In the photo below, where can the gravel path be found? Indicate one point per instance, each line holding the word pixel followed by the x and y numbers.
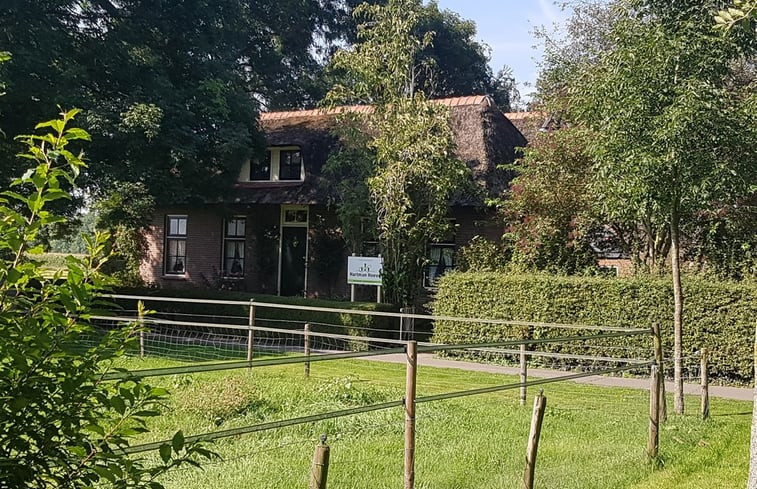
pixel 430 360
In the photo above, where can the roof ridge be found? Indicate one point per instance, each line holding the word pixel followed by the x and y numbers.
pixel 448 101
pixel 523 114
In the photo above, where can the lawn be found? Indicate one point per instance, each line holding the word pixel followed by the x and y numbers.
pixel 592 437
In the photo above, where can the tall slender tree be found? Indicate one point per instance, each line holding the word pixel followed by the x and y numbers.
pixel 670 137
pixel 407 141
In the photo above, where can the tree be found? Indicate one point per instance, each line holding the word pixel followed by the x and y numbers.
pixel 742 13
pixel 669 137
pixel 411 171
pixel 455 64
pixel 550 208
pixel 504 90
pixel 583 38
pixel 169 90
pixel 460 64
pixel 61 424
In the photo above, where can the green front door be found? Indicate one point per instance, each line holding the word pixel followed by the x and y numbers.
pixel 293 255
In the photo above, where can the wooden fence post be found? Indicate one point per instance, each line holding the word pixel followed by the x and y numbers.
pixel 654 413
pixel 352 288
pixel 658 357
pixel 540 405
pixel 307 349
pixel 410 382
pixel 141 326
pixel 705 374
pixel 320 469
pixel 250 333
pixel 407 324
pixel 523 375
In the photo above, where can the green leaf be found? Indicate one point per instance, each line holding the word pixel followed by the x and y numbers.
pixel 118 404
pixel 94 428
pixel 165 452
pixel 13 276
pixel 77 133
pixel 158 392
pixel 104 473
pixel 178 441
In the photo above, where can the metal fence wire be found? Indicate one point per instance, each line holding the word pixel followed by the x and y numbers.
pixel 201 342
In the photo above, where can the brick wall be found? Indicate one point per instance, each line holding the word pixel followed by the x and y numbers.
pixel 623 266
pixel 204 249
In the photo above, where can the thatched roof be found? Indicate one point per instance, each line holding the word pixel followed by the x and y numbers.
pixel 531 123
pixel 484 137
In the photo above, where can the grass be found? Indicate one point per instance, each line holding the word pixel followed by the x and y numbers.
pixel 53 262
pixel 592 437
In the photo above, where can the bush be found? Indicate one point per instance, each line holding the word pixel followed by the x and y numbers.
pixel 61 425
pixel 719 316
pixel 482 255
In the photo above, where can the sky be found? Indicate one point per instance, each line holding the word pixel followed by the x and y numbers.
pixel 506 26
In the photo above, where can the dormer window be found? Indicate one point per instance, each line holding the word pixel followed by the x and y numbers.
pixel 280 163
pixel 260 168
pixel 290 164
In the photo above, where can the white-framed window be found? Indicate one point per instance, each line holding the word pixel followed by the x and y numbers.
pixel 234 247
pixel 279 164
pixel 290 164
pixel 294 215
pixel 441 257
pixel 175 250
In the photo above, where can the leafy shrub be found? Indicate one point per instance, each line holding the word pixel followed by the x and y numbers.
pixel 719 316
pixel 482 255
pixel 60 424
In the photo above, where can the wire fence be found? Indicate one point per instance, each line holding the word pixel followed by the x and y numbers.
pixel 201 342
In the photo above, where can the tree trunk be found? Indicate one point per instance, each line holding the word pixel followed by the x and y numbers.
pixel 677 312
pixel 752 483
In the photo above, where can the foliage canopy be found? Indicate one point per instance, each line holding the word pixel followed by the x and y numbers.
pixel 404 143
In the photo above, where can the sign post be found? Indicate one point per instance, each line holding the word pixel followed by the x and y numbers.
pixel 364 270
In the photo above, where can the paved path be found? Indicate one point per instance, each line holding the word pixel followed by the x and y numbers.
pixel 430 360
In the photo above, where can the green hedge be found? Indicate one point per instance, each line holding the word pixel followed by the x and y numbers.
pixel 325 322
pixel 719 316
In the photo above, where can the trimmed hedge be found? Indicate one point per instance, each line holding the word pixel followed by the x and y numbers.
pixel 325 322
pixel 719 316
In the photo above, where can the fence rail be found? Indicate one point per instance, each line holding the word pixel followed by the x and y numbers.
pixel 266 362
pixel 242 327
pixel 374 347
pixel 397 315
pixel 432 347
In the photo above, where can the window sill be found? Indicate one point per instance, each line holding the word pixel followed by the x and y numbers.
pixel 166 276
pixel 269 184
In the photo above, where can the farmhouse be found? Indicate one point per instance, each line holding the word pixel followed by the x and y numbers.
pixel 274 231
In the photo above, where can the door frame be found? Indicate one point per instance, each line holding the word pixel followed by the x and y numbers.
pixel 282 224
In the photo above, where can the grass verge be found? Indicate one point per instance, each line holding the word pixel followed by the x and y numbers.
pixel 592 437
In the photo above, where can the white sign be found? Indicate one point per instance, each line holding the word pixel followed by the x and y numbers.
pixel 364 270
